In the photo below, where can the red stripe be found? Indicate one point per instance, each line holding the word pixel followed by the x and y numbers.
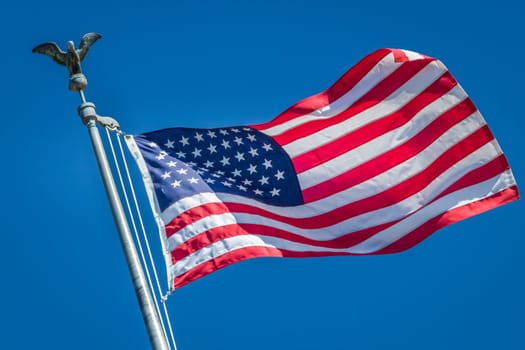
pixel 400 56
pixel 216 234
pixel 375 96
pixel 338 89
pixel 483 173
pixel 223 261
pixel 393 156
pixel 190 216
pixel 454 215
pixel 408 241
pixel 376 128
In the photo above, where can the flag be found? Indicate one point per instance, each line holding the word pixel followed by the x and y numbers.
pixel 390 153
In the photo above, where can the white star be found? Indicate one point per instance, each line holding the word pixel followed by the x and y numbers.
pixel 182 171
pixel 215 175
pixel 175 184
pixel 210 181
pixel 172 164
pixel 267 163
pixel 275 192
pixel 181 154
pixel 226 183
pixel 166 175
pixel 208 164
pixel 253 152
pixel 242 188
pixel 238 140
pixel 247 182
pixel 224 132
pixel 250 137
pixel 258 192
pixel 220 172
pixel 169 144
pixel 235 130
pixel 225 144
pixel 264 180
pixel 193 180
pixel 246 129
pixel 236 172
pixel 152 144
pixel 231 179
pixel 184 141
pixel 198 137
pixel 252 169
pixel 161 155
pixel 239 156
pixel 279 175
pixel 212 148
pixel 191 164
pixel 211 134
pixel 196 153
pixel 200 171
pixel 267 147
pixel 225 161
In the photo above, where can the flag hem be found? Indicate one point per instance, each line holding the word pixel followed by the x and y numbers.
pixel 150 190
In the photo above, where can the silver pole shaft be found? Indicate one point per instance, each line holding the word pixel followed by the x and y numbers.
pixel 147 307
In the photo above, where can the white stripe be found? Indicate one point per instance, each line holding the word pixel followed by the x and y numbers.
pixel 186 203
pixel 383 143
pixel 412 56
pixel 215 250
pixel 373 244
pixel 397 231
pixel 207 223
pixel 413 87
pixel 366 189
pixel 451 201
pixel 407 169
pixel 377 217
pixel 380 71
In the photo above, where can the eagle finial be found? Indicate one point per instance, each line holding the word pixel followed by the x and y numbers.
pixel 71 58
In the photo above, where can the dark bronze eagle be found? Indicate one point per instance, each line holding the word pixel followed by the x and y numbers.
pixel 72 58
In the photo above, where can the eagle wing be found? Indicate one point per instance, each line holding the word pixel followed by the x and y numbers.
pixel 52 50
pixel 86 42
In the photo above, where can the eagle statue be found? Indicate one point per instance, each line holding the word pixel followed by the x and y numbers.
pixel 72 58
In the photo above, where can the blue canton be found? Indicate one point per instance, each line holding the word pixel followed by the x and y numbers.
pixel 237 160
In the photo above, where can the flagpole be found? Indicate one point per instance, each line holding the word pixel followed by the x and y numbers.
pixel 87 112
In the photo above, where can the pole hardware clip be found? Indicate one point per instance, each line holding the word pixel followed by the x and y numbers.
pixel 87 113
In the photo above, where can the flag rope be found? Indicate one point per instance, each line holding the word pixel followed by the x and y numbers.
pixel 147 266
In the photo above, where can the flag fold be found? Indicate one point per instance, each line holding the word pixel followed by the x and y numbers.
pixel 390 153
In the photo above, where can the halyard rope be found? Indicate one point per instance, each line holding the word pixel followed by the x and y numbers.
pixel 144 236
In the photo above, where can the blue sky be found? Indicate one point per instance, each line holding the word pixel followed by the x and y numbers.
pixel 221 63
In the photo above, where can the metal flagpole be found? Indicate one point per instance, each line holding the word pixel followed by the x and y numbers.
pixel 78 82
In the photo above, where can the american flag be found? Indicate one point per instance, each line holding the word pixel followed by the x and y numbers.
pixel 392 152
